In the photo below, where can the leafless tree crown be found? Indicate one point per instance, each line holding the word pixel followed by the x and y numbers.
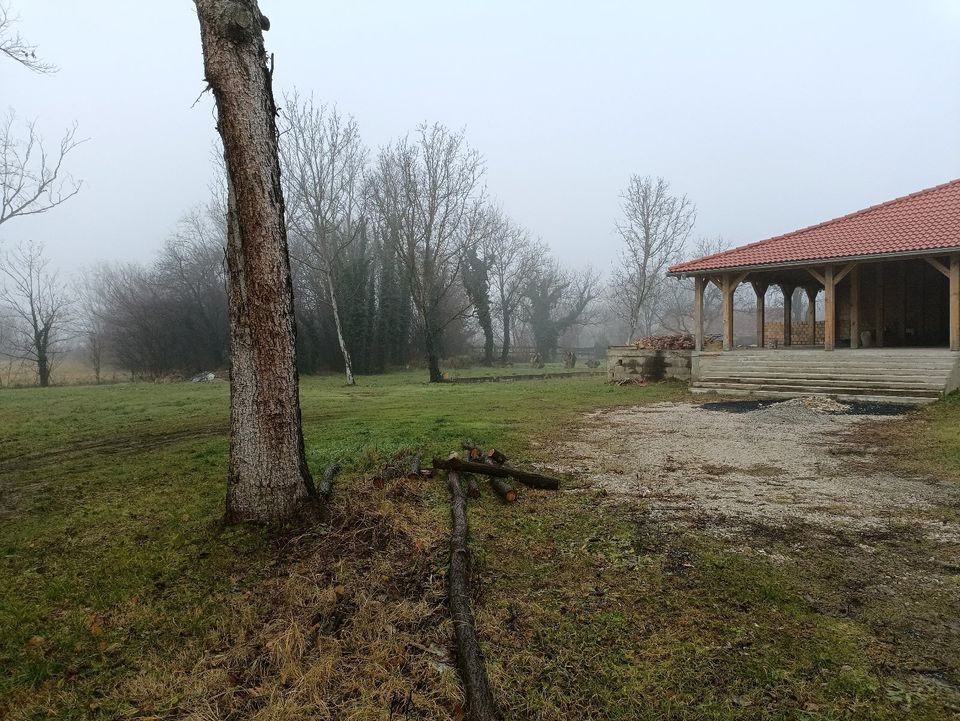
pixel 654 228
pixel 32 178
pixel 15 47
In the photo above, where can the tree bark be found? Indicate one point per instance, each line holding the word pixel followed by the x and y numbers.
pixel 473 672
pixel 534 480
pixel 431 339
pixel 505 352
pixel 268 477
pixel 347 362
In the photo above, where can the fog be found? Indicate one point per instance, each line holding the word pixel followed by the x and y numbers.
pixel 768 117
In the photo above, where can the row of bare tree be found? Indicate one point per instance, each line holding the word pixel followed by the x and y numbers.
pixel 394 259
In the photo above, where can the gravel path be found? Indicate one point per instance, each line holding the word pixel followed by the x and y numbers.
pixel 772 465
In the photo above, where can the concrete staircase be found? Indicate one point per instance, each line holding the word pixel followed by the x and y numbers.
pixel 895 375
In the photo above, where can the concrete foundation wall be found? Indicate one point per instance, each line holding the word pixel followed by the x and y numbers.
pixel 627 361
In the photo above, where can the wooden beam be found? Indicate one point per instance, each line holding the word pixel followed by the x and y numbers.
pixel 699 285
pixel 761 290
pixel 739 279
pixel 816 274
pixel 955 302
pixel 787 291
pixel 855 308
pixel 728 289
pixel 939 266
pixel 812 312
pixel 830 312
pixel 878 304
pixel 847 269
pixel 716 281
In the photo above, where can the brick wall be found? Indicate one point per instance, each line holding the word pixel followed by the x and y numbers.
pixel 773 333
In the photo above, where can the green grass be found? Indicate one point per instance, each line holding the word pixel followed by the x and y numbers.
pixel 114 562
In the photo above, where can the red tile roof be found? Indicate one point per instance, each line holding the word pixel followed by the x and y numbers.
pixel 926 220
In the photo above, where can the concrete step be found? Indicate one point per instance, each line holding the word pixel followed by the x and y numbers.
pixel 775 395
pixel 841 382
pixel 819 367
pixel 903 376
pixel 802 390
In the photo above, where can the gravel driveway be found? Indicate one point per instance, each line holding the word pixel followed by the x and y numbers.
pixel 729 466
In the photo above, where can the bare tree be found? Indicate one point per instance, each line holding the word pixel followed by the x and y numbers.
pixel 323 162
pixel 38 305
pixel 32 179
pixel 191 273
pixel 268 477
pixel 513 259
pixel 13 45
pixel 674 305
pixel 654 228
pixel 427 189
pixel 556 301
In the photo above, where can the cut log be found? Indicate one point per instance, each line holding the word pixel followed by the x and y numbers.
pixel 415 467
pixel 534 480
pixel 473 672
pixel 507 492
pixel 473 488
pixel 327 483
pixel 496 456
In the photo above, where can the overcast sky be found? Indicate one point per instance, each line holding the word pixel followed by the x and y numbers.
pixel 769 116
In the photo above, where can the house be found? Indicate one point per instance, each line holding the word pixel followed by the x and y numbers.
pixel 890 279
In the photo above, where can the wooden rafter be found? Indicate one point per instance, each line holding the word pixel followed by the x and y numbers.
pixel 816 274
pixel 939 266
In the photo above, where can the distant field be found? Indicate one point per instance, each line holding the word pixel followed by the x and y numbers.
pixel 122 595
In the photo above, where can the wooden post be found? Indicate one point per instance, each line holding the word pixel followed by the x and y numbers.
pixel 830 311
pixel 878 302
pixel 699 285
pixel 855 308
pixel 955 302
pixel 728 311
pixel 812 312
pixel 787 291
pixel 760 289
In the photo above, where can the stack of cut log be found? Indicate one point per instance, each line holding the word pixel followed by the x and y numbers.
pixel 492 464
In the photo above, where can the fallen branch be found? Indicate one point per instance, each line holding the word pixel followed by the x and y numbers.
pixel 327 483
pixel 534 480
pixel 473 672
pixel 496 456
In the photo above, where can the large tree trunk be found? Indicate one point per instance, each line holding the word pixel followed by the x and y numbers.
pixel 268 476
pixel 347 362
pixel 505 352
pixel 431 341
pixel 43 369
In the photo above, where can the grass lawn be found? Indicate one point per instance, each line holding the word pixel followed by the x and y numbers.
pixel 122 595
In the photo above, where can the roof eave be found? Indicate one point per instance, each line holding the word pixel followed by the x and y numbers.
pixel 813 263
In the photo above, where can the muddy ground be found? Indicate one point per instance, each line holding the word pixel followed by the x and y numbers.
pixel 808 486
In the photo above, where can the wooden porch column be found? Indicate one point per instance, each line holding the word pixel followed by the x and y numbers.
pixel 760 289
pixel 830 311
pixel 812 292
pixel 955 302
pixel 699 286
pixel 855 308
pixel 878 294
pixel 787 291
pixel 727 289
